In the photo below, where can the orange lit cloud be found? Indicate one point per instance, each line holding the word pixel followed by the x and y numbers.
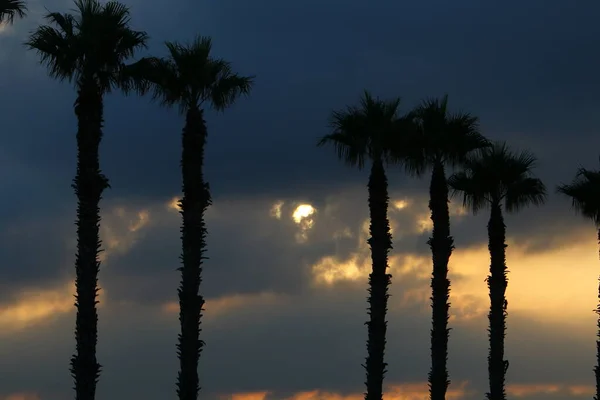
pixel 223 305
pixel 248 396
pixel 34 305
pixel 21 396
pixel 526 390
pixel 572 267
pixel 404 391
pixel 120 230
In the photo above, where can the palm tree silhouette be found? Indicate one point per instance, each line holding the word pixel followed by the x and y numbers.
pixel 360 134
pixel 494 178
pixel 584 192
pixel 442 139
pixel 9 9
pixel 90 48
pixel 190 78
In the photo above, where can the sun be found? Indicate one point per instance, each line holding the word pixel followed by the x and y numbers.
pixel 302 211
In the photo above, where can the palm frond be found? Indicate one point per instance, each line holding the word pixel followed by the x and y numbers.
pixel 406 146
pixel 525 192
pixel 496 174
pixel 227 86
pixel 364 131
pixel 9 9
pixel 467 184
pixel 189 76
pixel 95 41
pixel 57 49
pixel 447 138
pixel 349 136
pixel 584 192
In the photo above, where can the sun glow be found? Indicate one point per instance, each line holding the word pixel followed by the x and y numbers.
pixel 303 216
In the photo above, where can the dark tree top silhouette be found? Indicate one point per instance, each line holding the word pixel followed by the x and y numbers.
pixel 9 9
pixel 584 192
pixel 365 131
pixel 439 137
pixel 93 43
pixel 496 175
pixel 190 76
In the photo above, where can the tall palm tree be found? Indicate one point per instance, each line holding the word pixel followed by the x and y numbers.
pixel 441 139
pixel 89 48
pixel 495 178
pixel 361 134
pixel 9 9
pixel 584 192
pixel 191 79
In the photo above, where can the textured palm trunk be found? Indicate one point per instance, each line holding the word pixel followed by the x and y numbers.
pixel 89 183
pixel 379 280
pixel 195 201
pixel 597 367
pixel 497 282
pixel 441 244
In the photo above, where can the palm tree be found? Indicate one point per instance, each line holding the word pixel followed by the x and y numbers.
pixel 9 9
pixel 190 78
pixel 89 48
pixel 498 177
pixel 584 192
pixel 360 134
pixel 442 139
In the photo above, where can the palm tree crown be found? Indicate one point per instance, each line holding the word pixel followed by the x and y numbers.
pixel 442 138
pixel 498 176
pixel 190 76
pixel 585 193
pixel 9 9
pixel 364 132
pixel 92 44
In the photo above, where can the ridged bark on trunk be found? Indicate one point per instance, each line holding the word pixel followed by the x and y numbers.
pixel 497 282
pixel 597 367
pixel 379 280
pixel 89 183
pixel 441 244
pixel 195 201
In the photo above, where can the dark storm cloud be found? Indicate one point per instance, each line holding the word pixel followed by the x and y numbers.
pixel 526 70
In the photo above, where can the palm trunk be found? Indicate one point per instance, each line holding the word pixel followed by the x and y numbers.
pixel 497 282
pixel 379 280
pixel 441 244
pixel 195 201
pixel 597 367
pixel 89 183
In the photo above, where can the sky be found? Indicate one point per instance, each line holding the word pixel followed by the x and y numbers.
pixel 287 276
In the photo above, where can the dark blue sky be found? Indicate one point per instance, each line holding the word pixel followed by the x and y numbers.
pixel 530 72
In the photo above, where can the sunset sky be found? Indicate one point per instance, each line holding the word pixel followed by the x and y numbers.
pixel 287 275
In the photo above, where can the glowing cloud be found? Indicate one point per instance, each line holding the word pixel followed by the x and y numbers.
pixel 34 306
pixel 275 211
pixel 173 204
pixel 121 229
pixel 223 305
pixel 401 204
pixel 22 396
pixel 303 216
pixel 246 396
pixel 405 391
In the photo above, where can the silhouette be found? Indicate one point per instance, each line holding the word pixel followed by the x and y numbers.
pixel 190 78
pixel 9 9
pixel 361 133
pixel 493 178
pixel 584 192
pixel 89 48
pixel 441 139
